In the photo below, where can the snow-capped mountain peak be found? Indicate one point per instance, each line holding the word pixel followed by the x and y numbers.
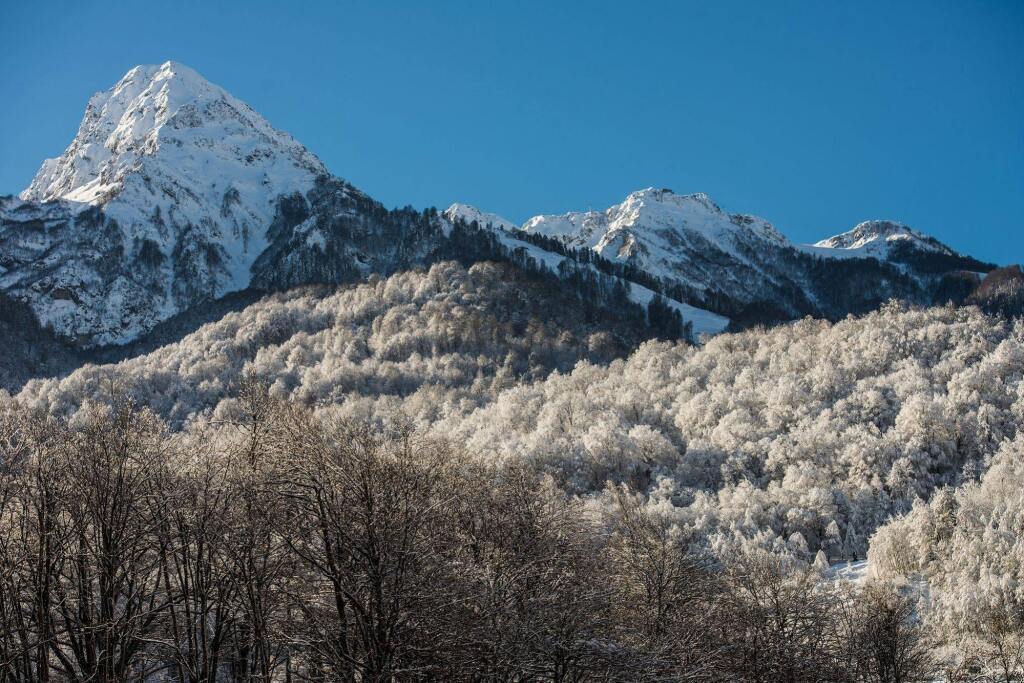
pixel 875 237
pixel 155 111
pixel 188 180
pixel 650 212
pixel 667 234
pixel 471 213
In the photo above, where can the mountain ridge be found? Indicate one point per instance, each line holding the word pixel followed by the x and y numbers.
pixel 733 263
pixel 873 238
pixel 174 193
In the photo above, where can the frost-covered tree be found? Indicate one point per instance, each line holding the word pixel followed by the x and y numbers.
pixel 966 544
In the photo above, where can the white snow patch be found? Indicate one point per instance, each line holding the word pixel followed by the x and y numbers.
pixel 856 571
pixel 872 239
pixel 483 219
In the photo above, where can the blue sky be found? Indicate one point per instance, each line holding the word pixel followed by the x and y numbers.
pixel 813 115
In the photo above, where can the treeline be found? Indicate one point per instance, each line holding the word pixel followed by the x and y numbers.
pixel 603 287
pixel 450 336
pixel 31 349
pixel 840 286
pixel 1001 292
pixel 667 289
pixel 626 271
pixel 279 545
pixel 936 262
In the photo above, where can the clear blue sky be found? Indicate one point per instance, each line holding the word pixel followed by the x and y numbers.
pixel 813 115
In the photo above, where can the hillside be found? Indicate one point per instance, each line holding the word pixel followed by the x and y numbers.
pixel 814 431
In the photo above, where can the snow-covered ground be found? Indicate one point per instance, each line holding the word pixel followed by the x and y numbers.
pixel 854 572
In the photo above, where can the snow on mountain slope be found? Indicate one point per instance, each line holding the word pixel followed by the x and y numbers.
pixel 186 179
pixel 685 240
pixel 471 213
pixel 741 266
pixel 645 215
pixel 704 322
pixel 169 115
pixel 876 239
pixel 661 232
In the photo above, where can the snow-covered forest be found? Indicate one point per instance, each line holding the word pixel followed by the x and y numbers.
pixel 276 543
pixel 443 472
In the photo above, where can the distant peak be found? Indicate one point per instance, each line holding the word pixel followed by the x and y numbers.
pixel 878 234
pixel 868 231
pixel 469 213
pixel 170 67
pixel 665 195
